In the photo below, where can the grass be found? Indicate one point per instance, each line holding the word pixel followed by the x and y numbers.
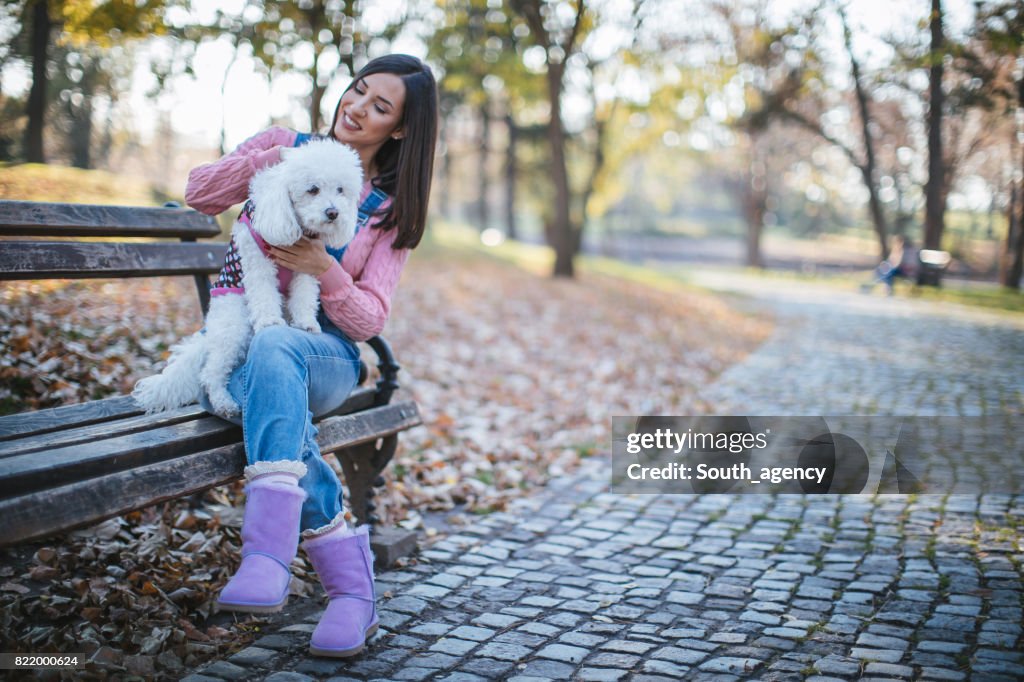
pixel 41 182
pixel 975 294
pixel 995 297
pixel 540 260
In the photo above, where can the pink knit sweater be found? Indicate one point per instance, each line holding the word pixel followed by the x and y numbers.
pixel 355 294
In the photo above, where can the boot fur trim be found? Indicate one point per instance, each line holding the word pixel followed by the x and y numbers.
pixel 335 529
pixel 286 466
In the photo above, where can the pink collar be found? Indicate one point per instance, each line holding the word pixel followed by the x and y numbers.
pixel 260 242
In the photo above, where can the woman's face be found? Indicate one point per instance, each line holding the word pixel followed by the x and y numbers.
pixel 370 111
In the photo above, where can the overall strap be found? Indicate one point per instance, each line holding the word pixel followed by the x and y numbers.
pixel 370 204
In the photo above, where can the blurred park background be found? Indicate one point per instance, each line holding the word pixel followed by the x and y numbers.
pixel 799 135
pixel 649 153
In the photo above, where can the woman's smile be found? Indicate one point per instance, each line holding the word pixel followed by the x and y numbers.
pixel 349 123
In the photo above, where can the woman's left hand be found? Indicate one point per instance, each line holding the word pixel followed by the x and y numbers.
pixel 306 255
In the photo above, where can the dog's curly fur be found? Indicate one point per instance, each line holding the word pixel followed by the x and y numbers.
pixel 313 192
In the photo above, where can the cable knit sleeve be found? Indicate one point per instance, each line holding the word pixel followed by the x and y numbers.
pixel 360 305
pixel 215 187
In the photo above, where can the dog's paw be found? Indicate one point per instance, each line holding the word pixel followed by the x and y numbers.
pixel 264 323
pixel 313 327
pixel 224 406
pixel 229 412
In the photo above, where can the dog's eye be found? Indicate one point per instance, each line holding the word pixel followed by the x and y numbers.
pixel 341 190
pixel 314 190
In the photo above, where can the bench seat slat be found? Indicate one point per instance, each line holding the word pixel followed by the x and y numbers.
pixel 85 260
pixel 38 513
pixel 134 422
pixel 31 219
pixel 79 461
pixel 347 430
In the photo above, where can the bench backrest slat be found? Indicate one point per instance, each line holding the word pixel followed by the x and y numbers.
pixel 67 416
pixel 90 260
pixel 20 473
pixel 32 219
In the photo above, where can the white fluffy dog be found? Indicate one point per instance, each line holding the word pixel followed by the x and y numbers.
pixel 313 192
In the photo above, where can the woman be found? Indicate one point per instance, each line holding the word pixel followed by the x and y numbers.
pixel 902 262
pixel 388 115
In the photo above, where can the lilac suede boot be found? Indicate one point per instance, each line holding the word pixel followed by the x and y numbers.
pixel 270 538
pixel 342 558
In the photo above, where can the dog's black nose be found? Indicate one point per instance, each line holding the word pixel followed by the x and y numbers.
pixel 332 213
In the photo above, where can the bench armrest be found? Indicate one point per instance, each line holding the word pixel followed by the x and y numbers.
pixel 388 382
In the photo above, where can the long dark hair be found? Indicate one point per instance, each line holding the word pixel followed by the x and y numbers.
pixel 406 165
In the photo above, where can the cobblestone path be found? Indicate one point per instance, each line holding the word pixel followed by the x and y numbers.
pixel 579 583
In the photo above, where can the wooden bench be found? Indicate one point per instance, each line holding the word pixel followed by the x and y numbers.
pixel 75 465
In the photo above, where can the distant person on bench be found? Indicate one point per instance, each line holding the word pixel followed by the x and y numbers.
pixel 902 262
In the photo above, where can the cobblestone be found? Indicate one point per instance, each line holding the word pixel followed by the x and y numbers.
pixel 254 656
pixel 576 582
pixel 225 671
pixel 473 633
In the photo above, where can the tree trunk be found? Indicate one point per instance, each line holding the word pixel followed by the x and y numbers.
pixel 877 213
pixel 755 197
pixel 483 215
pixel 223 99
pixel 315 121
pixel 869 170
pixel 510 178
pixel 935 190
pixel 601 134
pixel 36 109
pixel 1013 247
pixel 1017 264
pixel 316 24
pixel 106 142
pixel 1012 262
pixel 445 193
pixel 1017 255
pixel 754 209
pixel 561 228
pixel 347 38
pixel 81 120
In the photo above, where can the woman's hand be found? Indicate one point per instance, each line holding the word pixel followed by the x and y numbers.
pixel 284 152
pixel 306 255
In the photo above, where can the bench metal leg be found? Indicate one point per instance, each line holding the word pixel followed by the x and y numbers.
pixel 362 466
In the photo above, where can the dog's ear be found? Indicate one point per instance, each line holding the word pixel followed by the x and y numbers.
pixel 274 218
pixel 351 169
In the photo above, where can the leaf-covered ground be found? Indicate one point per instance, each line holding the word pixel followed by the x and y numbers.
pixel 517 377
